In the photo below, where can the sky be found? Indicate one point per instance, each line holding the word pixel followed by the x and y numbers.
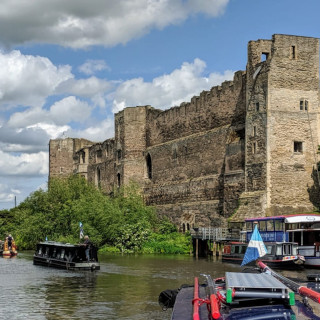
pixel 67 66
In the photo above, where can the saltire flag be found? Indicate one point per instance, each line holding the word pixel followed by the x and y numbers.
pixel 81 230
pixel 256 248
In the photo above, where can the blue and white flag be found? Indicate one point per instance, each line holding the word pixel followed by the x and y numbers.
pixel 81 230
pixel 256 248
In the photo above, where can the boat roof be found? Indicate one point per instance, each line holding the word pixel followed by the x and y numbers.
pixel 292 218
pixel 58 244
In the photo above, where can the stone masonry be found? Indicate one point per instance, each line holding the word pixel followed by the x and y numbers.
pixel 245 148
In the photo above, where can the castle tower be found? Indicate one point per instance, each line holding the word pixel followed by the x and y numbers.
pixel 130 145
pixel 281 125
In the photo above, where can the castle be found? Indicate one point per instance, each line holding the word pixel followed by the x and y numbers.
pixel 245 148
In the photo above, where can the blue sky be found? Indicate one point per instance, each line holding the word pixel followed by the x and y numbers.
pixel 67 66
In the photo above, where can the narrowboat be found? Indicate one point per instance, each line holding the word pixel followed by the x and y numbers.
pixel 282 255
pixel 66 256
pixel 303 229
pixel 255 295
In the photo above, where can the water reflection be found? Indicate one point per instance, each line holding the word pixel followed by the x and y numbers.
pixel 126 287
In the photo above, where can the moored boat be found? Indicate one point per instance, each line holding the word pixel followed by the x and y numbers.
pixel 282 255
pixel 66 256
pixel 301 228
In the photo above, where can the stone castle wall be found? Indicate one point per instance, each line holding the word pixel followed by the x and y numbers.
pixel 244 148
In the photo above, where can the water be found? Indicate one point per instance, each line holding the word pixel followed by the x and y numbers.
pixel 127 287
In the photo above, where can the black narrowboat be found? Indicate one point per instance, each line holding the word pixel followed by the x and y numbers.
pixel 66 256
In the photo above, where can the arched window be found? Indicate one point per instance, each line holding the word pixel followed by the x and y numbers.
pixel 183 228
pixel 188 226
pixel 149 166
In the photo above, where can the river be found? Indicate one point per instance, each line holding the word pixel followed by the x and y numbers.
pixel 127 286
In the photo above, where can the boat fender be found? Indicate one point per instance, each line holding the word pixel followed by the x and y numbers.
pixel 93 267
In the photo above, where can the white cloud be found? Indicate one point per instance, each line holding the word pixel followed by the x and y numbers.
pixel 98 132
pixel 82 23
pixel 28 80
pixel 90 67
pixel 167 90
pixel 35 164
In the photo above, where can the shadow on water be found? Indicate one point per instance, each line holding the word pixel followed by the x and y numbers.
pixel 127 286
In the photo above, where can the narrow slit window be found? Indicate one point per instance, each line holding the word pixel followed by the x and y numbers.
pixel 257 106
pixel 293 52
pixel 254 148
pixel 301 104
pixel 254 131
pixel 306 104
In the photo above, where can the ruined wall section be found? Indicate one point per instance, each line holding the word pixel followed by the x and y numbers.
pixel 293 128
pixel 62 155
pixel 259 57
pixel 197 156
pixel 101 165
pixel 212 109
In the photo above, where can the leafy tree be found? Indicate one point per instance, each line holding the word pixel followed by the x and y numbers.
pixel 122 222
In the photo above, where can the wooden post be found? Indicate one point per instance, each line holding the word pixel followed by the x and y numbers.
pixel 197 247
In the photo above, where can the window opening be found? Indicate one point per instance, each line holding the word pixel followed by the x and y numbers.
pixel 149 166
pixel 188 226
pixel 119 179
pixel 257 106
pixel 293 52
pixel 98 178
pixel 254 148
pixel 254 131
pixel 183 228
pixel 119 154
pixel 264 56
pixel 297 146
pixel 301 104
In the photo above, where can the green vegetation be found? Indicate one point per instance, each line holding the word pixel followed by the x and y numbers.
pixel 115 224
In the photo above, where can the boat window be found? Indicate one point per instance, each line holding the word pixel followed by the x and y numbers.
pixel 294 249
pixel 269 249
pixel 235 249
pixel 287 249
pixel 249 226
pixel 243 249
pixel 47 251
pixel 62 254
pixel 262 225
pixel 293 226
pixel 279 251
pixel 40 250
pixel 270 225
pixel 278 225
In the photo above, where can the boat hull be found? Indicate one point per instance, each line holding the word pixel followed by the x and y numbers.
pixel 56 263
pixel 273 263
